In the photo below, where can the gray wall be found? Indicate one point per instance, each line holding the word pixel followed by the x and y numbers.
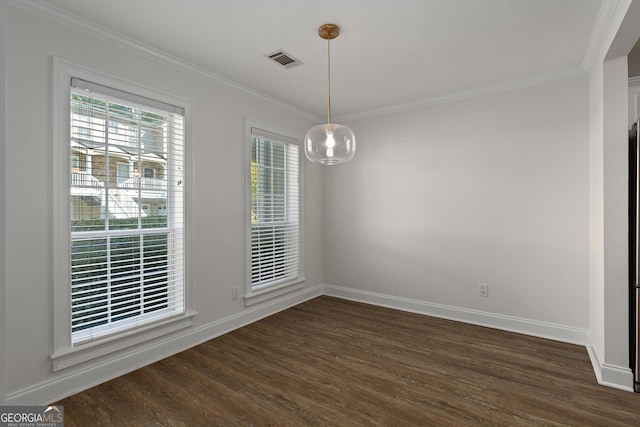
pixel 634 61
pixel 492 189
pixel 218 194
pixel 634 66
pixel 608 211
pixel 3 23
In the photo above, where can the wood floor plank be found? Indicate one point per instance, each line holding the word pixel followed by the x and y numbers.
pixel 333 362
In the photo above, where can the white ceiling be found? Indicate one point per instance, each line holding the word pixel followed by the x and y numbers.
pixel 389 53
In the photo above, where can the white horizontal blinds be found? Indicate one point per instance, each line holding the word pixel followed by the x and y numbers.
pixel 275 210
pixel 127 211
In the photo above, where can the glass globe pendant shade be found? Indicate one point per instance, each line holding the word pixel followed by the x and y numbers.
pixel 330 144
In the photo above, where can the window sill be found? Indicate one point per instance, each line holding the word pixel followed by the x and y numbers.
pixel 84 352
pixel 272 292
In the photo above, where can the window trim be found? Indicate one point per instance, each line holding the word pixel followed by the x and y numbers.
pixel 64 354
pixel 252 296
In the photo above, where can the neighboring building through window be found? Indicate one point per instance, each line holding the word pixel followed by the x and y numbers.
pixel 149 172
pixel 275 212
pixel 75 163
pixel 122 170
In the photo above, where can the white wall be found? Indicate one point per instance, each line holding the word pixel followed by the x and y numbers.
pixel 609 254
pixel 491 189
pixel 596 214
pixel 609 328
pixel 609 289
pixel 616 229
pixel 219 118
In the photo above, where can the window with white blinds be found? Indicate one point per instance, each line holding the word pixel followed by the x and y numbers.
pixel 275 210
pixel 127 225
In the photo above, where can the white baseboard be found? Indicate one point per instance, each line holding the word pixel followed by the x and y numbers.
pixel 595 354
pixel 65 385
pixel 475 317
pixel 608 375
pixel 619 377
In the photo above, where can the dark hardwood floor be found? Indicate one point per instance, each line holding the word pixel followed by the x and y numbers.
pixel 339 363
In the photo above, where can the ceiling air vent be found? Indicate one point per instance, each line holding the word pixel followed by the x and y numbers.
pixel 283 59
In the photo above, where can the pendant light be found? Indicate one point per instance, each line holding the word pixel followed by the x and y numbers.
pixel 329 144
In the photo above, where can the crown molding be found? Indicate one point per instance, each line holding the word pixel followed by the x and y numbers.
pixel 611 12
pixel 504 86
pixel 53 13
pixel 604 30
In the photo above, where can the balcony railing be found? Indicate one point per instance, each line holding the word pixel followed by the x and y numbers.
pixel 148 184
pixel 82 179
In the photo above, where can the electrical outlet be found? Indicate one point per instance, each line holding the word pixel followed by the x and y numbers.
pixel 483 290
pixel 235 293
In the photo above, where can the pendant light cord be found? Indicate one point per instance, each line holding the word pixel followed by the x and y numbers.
pixel 329 80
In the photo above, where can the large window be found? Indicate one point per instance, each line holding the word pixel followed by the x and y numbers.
pixel 275 211
pixel 126 261
pixel 121 264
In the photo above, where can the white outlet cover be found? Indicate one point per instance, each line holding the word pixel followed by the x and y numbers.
pixel 483 290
